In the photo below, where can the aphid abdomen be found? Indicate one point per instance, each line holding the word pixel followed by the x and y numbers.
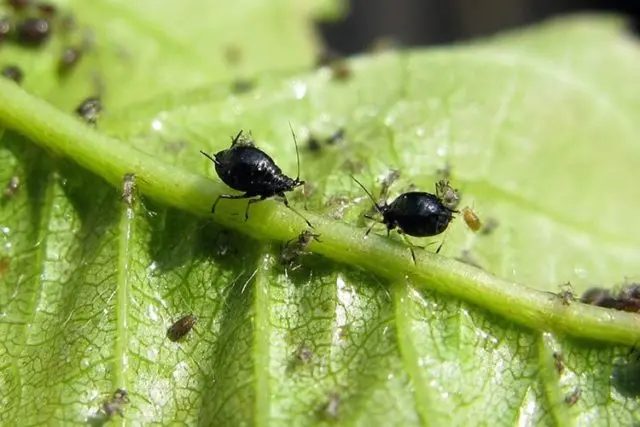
pixel 246 168
pixel 418 214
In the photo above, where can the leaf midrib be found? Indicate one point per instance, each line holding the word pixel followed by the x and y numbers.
pixel 177 187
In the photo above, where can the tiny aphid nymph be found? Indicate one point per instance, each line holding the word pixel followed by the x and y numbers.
pixel 181 327
pixel 90 109
pixel 295 247
pixel 244 167
pixel 12 187
pixel 471 219
pixel 115 404
pixel 449 196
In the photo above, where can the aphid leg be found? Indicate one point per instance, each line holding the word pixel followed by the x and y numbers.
pixel 228 196
pixel 286 203
pixel 411 246
pixel 252 201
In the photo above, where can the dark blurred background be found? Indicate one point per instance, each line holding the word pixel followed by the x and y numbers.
pixel 427 22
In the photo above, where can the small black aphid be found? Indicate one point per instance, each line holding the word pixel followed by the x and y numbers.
pixel 90 109
pixel 33 31
pixel 115 404
pixel 244 167
pixel 128 188
pixel 296 247
pixel 415 213
pixel 12 187
pixel 600 297
pixel 181 327
pixel 13 72
pixel 69 59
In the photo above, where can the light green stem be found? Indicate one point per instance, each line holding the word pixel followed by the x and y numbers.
pixel 111 159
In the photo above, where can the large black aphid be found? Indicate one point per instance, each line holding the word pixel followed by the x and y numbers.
pixel 416 213
pixel 244 167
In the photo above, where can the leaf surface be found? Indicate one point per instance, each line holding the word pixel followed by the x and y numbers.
pixel 538 133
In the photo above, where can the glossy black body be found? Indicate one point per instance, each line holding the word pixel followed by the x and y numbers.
pixel 33 31
pixel 246 168
pixel 416 213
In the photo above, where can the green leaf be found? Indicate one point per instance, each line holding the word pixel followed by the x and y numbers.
pixel 537 127
pixel 148 47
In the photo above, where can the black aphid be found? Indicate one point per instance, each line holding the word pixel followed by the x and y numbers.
pixel 12 187
pixel 416 213
pixel 90 109
pixel 244 167
pixel 181 327
pixel 296 247
pixel 69 59
pixel 33 31
pixel 115 404
pixel 13 72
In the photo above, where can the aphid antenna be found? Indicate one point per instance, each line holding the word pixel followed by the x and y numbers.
pixel 300 215
pixel 210 157
pixel 235 139
pixel 295 142
pixel 368 194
